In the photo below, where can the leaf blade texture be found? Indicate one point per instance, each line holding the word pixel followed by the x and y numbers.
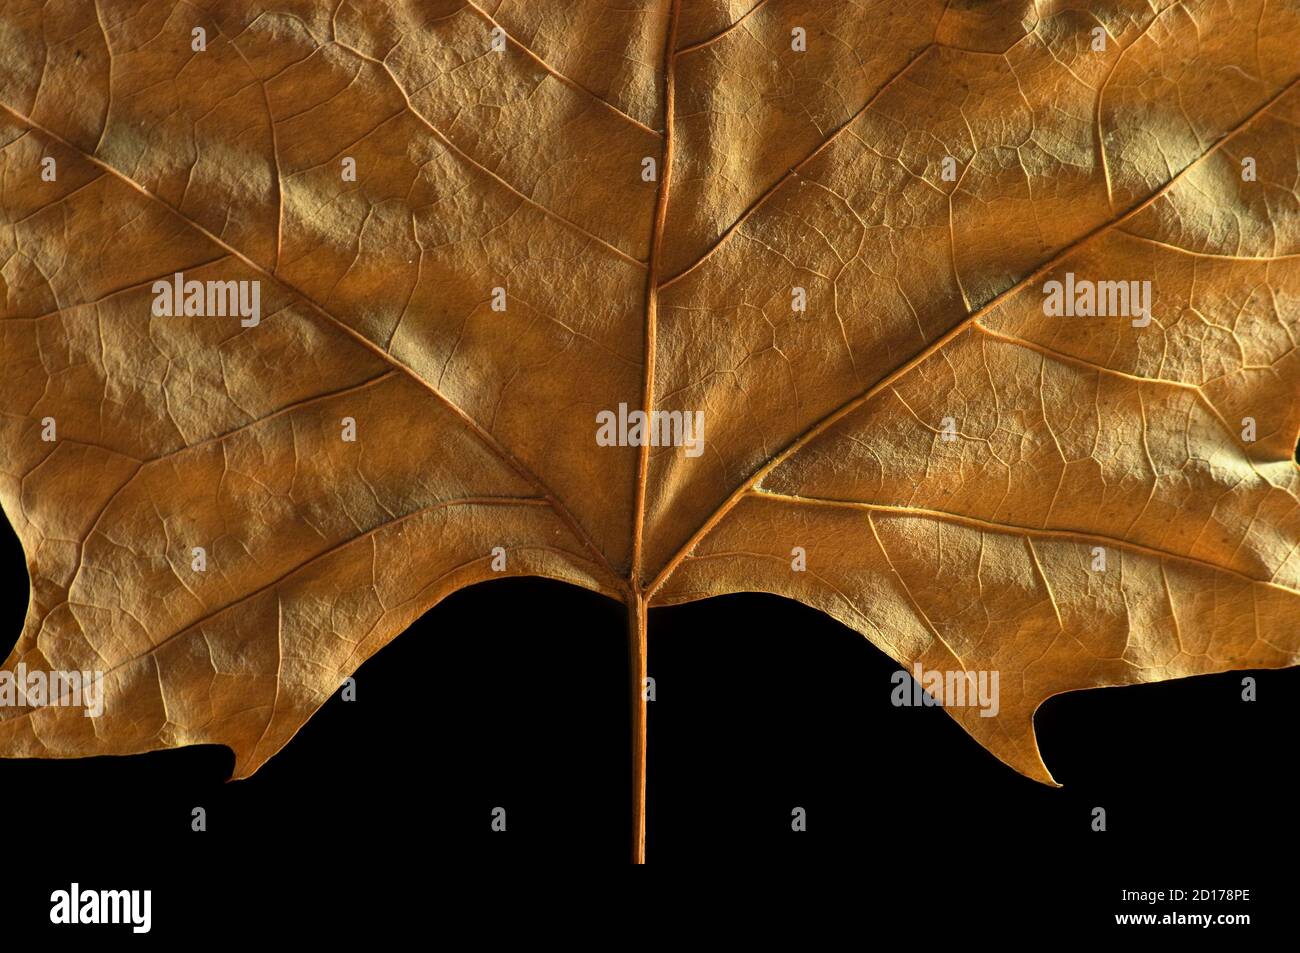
pixel 821 169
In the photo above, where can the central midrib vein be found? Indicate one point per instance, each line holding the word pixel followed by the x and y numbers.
pixel 652 293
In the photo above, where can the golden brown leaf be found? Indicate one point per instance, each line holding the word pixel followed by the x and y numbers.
pixel 949 456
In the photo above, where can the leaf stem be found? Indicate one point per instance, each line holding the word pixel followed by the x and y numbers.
pixel 636 631
pixel 636 600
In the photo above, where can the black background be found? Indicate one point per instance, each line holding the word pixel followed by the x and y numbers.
pixel 513 694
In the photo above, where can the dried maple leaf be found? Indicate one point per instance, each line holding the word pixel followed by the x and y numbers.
pixel 827 227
